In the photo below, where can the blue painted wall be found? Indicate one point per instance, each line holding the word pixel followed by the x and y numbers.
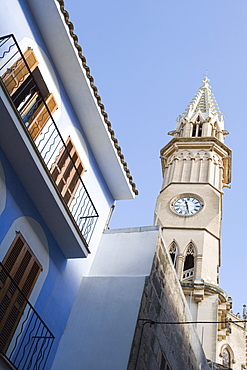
pixel 22 25
pixel 56 297
pixel 61 284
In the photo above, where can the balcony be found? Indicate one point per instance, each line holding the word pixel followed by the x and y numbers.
pixel 188 274
pixel 35 105
pixel 25 340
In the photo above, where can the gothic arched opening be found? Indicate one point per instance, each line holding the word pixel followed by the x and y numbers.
pixel 194 130
pixel 226 361
pixel 200 129
pixel 173 251
pixel 189 263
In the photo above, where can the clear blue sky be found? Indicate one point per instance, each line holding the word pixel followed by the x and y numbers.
pixel 148 58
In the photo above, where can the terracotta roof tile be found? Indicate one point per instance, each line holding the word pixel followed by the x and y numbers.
pixel 97 96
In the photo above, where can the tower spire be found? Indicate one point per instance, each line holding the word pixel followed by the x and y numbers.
pixel 202 117
pixel 203 102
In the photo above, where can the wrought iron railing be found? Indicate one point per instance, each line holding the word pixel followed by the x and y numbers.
pixel 25 340
pixel 17 72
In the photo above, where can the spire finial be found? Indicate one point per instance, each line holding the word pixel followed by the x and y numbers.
pixel 206 80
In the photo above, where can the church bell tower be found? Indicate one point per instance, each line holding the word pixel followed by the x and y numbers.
pixel 196 166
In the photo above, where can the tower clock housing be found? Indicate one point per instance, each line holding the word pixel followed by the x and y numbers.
pixel 196 166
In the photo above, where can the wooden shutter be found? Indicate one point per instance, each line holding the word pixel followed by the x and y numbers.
pixel 15 77
pixel 18 72
pixel 41 115
pixel 66 175
pixel 24 268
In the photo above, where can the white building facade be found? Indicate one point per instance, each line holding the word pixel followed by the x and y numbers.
pixel 196 166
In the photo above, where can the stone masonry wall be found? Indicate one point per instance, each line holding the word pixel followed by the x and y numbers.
pixel 165 346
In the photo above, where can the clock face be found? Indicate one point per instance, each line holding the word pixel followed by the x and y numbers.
pixel 187 206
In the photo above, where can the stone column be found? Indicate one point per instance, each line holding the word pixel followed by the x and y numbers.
pixel 179 266
pixel 198 266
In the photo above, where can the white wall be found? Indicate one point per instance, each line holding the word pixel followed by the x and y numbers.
pixel 101 326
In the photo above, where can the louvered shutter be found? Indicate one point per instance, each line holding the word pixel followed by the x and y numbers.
pixel 41 115
pixel 18 72
pixel 24 268
pixel 65 174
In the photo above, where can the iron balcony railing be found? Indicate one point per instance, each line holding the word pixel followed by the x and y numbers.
pixel 25 340
pixel 35 105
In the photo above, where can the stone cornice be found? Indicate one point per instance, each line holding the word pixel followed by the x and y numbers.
pixel 208 288
pixel 194 142
pixel 191 228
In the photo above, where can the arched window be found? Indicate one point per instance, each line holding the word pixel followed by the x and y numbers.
pixel 173 251
pixel 197 128
pixel 200 129
pixel 188 270
pixel 194 130
pixel 227 355
pixel 226 360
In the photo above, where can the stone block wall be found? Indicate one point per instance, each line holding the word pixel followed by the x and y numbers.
pixel 159 345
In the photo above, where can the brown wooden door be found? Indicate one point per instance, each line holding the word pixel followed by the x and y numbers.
pixel 24 268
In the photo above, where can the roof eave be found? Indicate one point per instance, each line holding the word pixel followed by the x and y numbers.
pixel 76 78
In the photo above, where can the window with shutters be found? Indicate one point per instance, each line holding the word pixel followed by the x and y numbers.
pixel 18 275
pixel 29 92
pixel 35 113
pixel 65 174
pixel 15 76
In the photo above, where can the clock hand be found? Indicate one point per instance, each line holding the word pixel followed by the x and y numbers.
pixel 187 207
